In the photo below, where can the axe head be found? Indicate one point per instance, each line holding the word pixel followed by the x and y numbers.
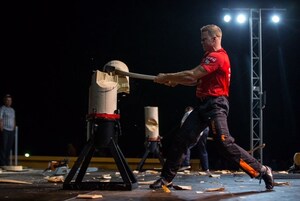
pixel 109 69
pixel 113 65
pixel 123 81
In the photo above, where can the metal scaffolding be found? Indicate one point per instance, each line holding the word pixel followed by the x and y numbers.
pixel 257 94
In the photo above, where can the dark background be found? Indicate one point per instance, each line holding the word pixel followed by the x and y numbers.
pixel 50 49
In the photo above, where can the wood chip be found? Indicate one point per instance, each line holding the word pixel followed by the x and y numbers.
pixel 56 179
pixel 177 187
pixel 283 172
pixel 214 175
pixel 151 172
pixel 89 196
pixel 146 182
pixel 215 189
pixel 223 171
pixel 281 183
pixel 15 168
pixel 14 181
pixel 105 176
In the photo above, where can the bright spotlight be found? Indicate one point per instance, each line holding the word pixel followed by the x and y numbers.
pixel 227 18
pixel 27 155
pixel 241 18
pixel 275 18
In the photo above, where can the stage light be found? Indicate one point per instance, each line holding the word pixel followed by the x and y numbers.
pixel 241 18
pixel 275 19
pixel 27 155
pixel 227 18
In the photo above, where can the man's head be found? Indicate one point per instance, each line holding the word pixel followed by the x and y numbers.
pixel 7 100
pixel 211 36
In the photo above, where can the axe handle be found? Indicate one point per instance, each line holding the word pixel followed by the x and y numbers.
pixel 135 75
pixel 256 148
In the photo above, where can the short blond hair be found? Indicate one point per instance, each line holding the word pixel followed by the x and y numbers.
pixel 213 30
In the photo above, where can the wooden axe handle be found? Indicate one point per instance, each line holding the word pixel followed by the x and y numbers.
pixel 256 148
pixel 135 75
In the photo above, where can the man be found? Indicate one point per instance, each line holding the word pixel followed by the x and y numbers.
pixel 212 80
pixel 7 130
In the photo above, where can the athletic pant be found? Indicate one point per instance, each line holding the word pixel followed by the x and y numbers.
pixel 212 112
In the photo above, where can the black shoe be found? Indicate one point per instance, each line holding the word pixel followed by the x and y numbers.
pixel 267 176
pixel 158 184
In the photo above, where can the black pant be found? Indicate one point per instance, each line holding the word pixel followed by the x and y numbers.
pixel 211 112
pixel 6 144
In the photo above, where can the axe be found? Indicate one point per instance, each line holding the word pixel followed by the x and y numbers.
pixel 256 148
pixel 111 69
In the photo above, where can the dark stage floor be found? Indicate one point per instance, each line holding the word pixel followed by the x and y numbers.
pixel 228 186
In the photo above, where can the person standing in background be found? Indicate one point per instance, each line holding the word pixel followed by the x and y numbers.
pixel 200 145
pixel 7 129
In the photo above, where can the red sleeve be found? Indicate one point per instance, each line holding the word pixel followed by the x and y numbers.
pixel 212 61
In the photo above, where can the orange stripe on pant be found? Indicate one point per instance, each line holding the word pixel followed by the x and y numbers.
pixel 248 169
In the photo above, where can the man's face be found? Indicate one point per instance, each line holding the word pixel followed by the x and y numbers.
pixel 7 102
pixel 207 41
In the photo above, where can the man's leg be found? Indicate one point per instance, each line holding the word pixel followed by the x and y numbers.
pixel 227 146
pixel 9 145
pixel 185 138
pixel 186 161
pixel 203 155
pixel 2 148
pixel 230 150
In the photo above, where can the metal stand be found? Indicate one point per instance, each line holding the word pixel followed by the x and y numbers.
pixel 152 147
pixel 107 140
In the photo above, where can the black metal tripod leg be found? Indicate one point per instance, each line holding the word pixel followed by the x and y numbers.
pixel 122 164
pixel 78 162
pixel 141 164
pixel 85 165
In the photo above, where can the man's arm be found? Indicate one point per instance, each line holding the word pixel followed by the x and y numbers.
pixel 1 120
pixel 1 125
pixel 187 77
